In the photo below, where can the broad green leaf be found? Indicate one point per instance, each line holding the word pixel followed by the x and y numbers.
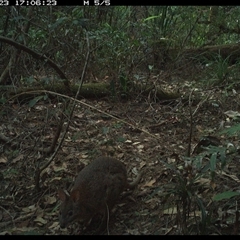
pixel 121 139
pixel 105 130
pixel 202 208
pixel 213 161
pixel 34 101
pixel 225 195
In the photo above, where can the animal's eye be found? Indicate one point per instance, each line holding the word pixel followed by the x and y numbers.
pixel 70 213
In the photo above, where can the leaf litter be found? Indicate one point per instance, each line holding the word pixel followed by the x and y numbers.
pixel 25 211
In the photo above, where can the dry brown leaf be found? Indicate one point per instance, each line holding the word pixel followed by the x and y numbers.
pixel 233 177
pixel 59 168
pixel 24 223
pixel 3 159
pixel 29 208
pixel 170 211
pixel 135 171
pixel 143 192
pixel 204 181
pixel 69 156
pixel 120 155
pixel 131 198
pixel 150 183
pixel 213 185
pixel 18 158
pixel 171 160
pixel 54 225
pixel 40 221
pixel 55 179
pixel 23 229
pixel 140 148
pixel 79 115
pixel 152 203
pixel 174 210
pixel 232 114
pixel 50 200
pixel 121 204
pixel 84 156
pixel 30 186
pixel 142 164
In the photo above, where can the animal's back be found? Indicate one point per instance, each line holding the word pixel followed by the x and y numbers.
pixel 96 190
pixel 101 182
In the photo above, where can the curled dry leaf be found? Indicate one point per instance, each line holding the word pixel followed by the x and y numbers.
pixel 55 179
pixel 59 168
pixel 152 203
pixel 40 221
pixel 21 230
pixel 54 225
pixel 50 200
pixel 29 208
pixel 120 155
pixel 136 143
pixel 233 177
pixel 232 114
pixel 142 164
pixel 135 171
pixel 140 148
pixel 3 159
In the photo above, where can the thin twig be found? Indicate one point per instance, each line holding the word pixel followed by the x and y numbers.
pixel 107 219
pixel 90 106
pixel 38 173
pixel 201 103
pixel 191 124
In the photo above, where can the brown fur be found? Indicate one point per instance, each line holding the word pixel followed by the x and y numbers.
pixel 96 190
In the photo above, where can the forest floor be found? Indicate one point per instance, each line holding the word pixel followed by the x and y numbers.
pixel 158 146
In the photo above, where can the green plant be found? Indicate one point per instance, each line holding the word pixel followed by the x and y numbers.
pixel 218 70
pixel 233 130
pixel 188 189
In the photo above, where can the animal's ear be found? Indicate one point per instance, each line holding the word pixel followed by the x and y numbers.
pixel 75 195
pixel 62 195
